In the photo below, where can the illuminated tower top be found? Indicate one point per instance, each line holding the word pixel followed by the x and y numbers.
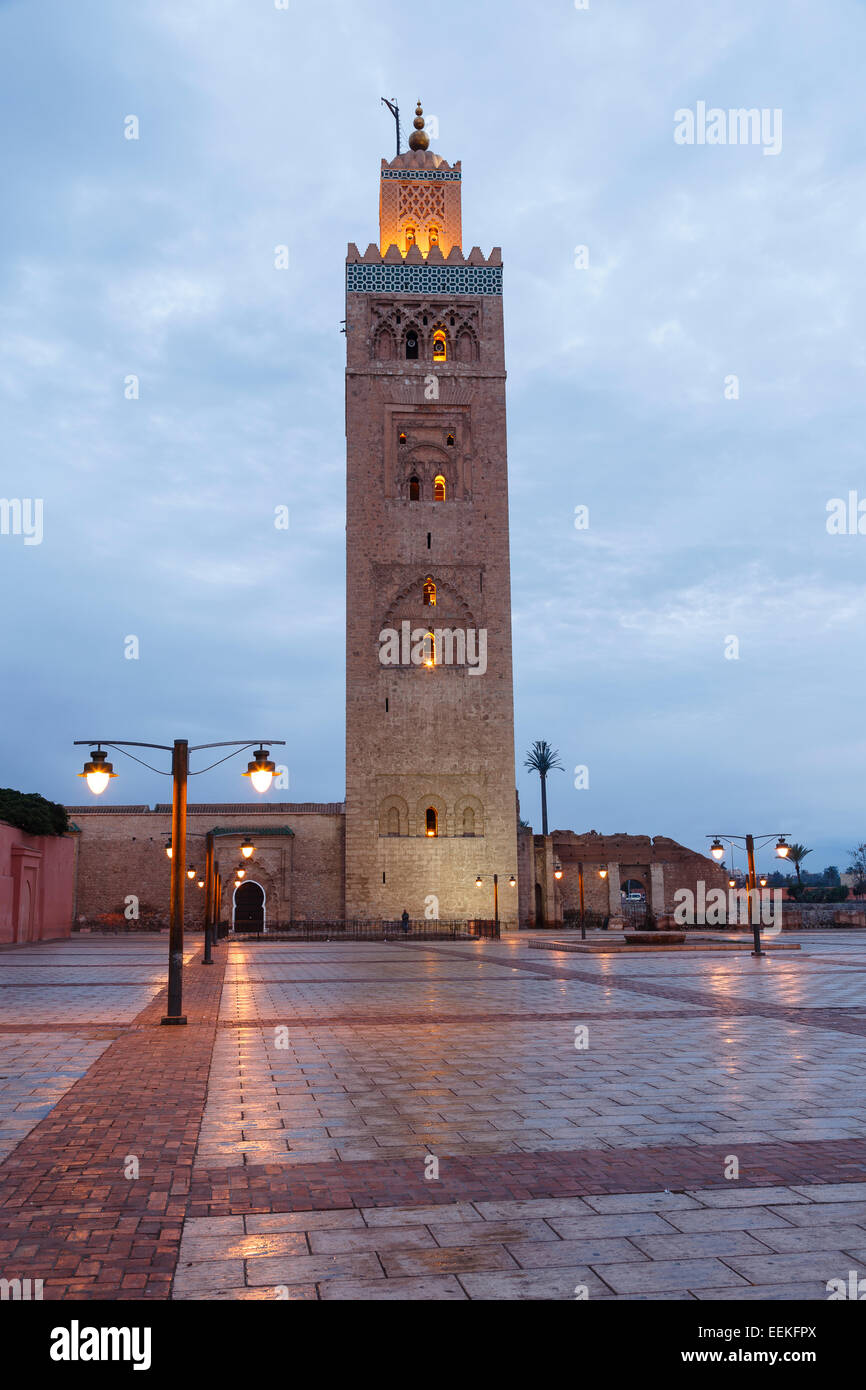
pixel 419 201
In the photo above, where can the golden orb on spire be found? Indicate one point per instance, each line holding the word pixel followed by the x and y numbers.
pixel 419 139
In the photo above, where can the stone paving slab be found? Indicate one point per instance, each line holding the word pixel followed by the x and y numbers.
pixel 300 1172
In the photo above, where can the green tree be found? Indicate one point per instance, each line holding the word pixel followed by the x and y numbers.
pixel 32 813
pixel 858 867
pixel 542 759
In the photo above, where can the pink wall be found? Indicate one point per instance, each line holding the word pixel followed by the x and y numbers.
pixel 36 885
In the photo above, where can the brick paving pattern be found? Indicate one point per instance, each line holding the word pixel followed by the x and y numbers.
pixel 286 1140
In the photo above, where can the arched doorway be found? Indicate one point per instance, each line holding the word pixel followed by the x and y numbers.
pixel 539 906
pixel 25 911
pixel 248 908
pixel 634 903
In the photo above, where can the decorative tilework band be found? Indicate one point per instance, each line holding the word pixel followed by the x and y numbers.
pixel 421 174
pixel 423 279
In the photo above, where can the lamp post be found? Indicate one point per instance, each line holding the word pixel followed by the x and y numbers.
pixel 717 850
pixel 98 773
pixel 557 873
pixel 512 883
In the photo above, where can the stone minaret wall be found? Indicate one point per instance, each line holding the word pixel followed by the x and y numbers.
pixel 421 737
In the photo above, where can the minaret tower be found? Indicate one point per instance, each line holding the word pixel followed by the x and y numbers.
pixel 430 788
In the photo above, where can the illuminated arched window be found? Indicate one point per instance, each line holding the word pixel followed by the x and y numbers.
pixel 469 821
pixel 411 344
pixel 432 821
pixel 439 346
pixel 414 490
pixel 393 821
pixel 438 488
pixel 429 593
pixel 430 650
pixel 402 438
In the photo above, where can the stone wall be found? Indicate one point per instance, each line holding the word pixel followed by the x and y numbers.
pixel 298 859
pixel 659 865
pixel 36 873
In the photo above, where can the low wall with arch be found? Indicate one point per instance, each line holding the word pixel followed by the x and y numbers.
pixel 36 885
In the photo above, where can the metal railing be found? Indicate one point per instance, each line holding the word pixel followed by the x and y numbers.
pixel 381 929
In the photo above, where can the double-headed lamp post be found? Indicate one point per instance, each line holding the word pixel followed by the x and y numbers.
pixel 717 850
pixel 98 772
pixel 512 883
pixel 557 874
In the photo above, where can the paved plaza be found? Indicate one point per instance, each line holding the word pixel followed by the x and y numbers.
pixel 433 1120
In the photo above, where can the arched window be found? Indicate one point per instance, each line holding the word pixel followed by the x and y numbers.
pixel 469 821
pixel 430 649
pixel 402 438
pixel 438 488
pixel 450 441
pixel 411 344
pixel 414 490
pixel 393 821
pixel 432 818
pixel 439 346
pixel 429 594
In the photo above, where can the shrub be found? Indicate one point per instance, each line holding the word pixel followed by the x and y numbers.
pixel 32 813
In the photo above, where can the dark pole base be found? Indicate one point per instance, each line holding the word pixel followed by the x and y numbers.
pixel 174 1018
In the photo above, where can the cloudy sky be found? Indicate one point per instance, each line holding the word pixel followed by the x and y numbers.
pixel 261 126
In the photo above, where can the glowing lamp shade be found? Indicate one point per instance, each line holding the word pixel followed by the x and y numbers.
pixel 98 773
pixel 717 850
pixel 512 882
pixel 782 849
pixel 557 870
pixel 732 883
pixel 190 873
pixel 168 847
pixel 261 770
pixel 247 849
pixel 201 883
pixel 763 882
pixel 602 873
pixel 478 882
pixel 240 873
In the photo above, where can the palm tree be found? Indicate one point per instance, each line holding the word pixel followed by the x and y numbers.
pixel 796 854
pixel 542 759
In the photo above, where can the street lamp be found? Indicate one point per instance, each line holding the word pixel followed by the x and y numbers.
pixel 261 770
pixel 602 873
pixel 240 873
pixel 168 847
pixel 511 883
pixel 190 873
pixel 98 773
pixel 557 869
pixel 717 850
pixel 248 849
